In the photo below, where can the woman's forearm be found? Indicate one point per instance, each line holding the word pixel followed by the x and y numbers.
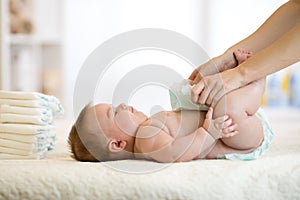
pixel 282 53
pixel 281 21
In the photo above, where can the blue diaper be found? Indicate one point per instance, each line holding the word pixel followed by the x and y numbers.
pixel 180 96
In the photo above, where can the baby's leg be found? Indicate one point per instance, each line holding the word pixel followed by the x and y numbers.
pixel 241 105
pixel 221 149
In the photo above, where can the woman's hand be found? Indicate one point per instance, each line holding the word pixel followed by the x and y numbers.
pixel 210 89
pixel 208 84
pixel 206 69
pixel 221 127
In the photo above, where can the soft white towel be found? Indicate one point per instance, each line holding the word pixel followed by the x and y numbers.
pixel 25 119
pixel 5 108
pixel 24 129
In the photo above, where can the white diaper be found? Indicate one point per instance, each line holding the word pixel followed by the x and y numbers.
pixel 26 124
pixel 5 108
pixel 31 99
pixel 25 119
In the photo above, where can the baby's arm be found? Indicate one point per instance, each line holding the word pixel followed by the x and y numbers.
pixel 162 147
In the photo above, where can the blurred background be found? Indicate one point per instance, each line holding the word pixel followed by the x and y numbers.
pixel 44 43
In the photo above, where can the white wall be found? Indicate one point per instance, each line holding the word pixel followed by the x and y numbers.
pixel 89 23
pixel 214 24
pixel 230 21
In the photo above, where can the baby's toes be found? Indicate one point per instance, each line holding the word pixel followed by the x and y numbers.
pixel 249 54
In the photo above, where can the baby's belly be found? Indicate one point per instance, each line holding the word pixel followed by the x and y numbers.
pixel 181 123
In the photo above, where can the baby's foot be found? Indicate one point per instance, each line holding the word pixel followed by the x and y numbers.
pixel 242 55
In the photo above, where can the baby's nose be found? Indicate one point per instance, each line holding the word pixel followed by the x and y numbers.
pixel 122 106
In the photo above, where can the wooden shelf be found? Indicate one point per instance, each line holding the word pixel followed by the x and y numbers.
pixel 22 39
pixel 34 60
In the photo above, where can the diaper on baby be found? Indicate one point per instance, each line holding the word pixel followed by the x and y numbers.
pixel 180 97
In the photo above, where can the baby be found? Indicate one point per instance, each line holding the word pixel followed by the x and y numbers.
pixel 231 129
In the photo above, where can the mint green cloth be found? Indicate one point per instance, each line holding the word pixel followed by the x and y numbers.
pixel 180 96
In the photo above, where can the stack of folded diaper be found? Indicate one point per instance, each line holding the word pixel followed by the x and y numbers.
pixel 26 124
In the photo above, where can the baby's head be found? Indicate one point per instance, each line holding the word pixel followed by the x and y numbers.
pixel 103 132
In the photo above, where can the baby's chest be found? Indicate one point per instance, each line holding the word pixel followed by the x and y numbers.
pixel 177 124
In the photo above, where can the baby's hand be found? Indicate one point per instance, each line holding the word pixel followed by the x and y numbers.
pixel 221 127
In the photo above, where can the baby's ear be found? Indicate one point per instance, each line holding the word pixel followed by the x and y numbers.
pixel 115 145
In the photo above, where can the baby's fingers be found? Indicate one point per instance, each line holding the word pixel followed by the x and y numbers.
pixel 230 131
pixel 221 120
pixel 228 135
pixel 227 123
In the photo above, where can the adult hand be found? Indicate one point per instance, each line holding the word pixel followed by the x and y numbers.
pixel 206 69
pixel 210 89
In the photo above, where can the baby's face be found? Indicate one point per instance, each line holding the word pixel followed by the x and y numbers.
pixel 116 121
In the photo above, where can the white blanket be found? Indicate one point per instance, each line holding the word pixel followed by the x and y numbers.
pixel 276 175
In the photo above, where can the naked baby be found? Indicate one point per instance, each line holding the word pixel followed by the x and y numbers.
pixel 233 128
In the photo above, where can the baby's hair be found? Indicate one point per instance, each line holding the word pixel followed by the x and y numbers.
pixel 88 141
pixel 78 149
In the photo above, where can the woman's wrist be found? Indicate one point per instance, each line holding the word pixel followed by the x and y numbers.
pixel 241 76
pixel 208 68
pixel 228 60
pixel 218 64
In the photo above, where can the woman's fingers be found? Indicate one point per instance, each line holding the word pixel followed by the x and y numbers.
pixel 207 89
pixel 196 90
pixel 217 97
pixel 194 75
pixel 211 97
